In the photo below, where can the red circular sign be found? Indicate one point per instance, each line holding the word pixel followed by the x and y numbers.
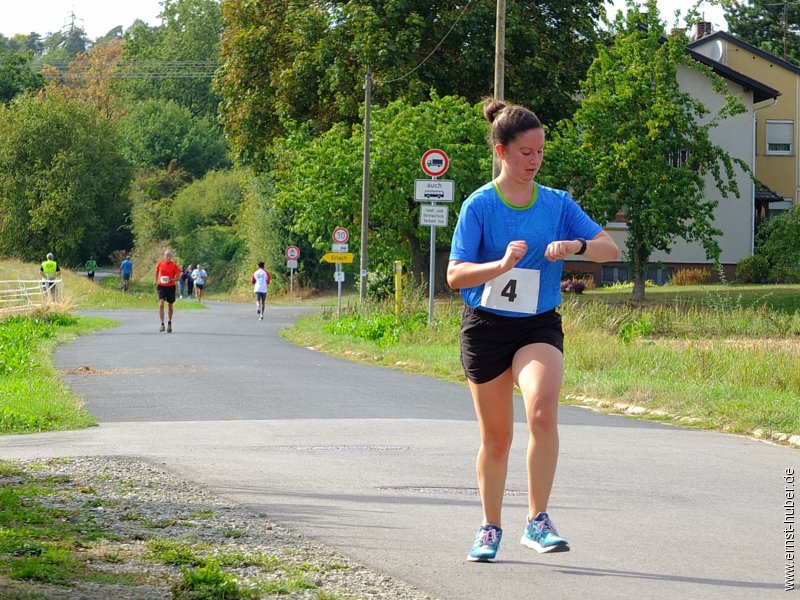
pixel 435 162
pixel 292 253
pixel 341 235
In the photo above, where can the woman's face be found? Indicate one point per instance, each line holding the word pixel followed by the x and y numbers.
pixel 522 157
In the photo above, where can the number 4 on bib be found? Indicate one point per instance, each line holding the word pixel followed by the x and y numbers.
pixel 510 291
pixel 515 291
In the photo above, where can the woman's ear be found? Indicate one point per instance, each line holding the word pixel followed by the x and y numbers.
pixel 500 151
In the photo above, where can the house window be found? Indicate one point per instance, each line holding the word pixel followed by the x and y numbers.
pixel 679 159
pixel 780 137
pixel 614 274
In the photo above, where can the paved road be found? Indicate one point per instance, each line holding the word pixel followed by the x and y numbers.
pixel 380 464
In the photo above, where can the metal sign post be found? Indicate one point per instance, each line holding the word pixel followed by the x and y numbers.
pixel 432 275
pixel 339 255
pixel 434 163
pixel 292 254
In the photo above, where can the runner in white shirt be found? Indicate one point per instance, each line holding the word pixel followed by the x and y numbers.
pixel 260 281
pixel 199 275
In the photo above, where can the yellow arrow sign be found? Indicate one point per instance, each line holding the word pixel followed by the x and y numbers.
pixel 338 257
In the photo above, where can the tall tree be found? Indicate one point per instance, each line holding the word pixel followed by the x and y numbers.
pixel 88 78
pixel 63 181
pixel 305 60
pixel 17 74
pixel 176 59
pixel 158 132
pixel 770 25
pixel 318 180
pixel 639 145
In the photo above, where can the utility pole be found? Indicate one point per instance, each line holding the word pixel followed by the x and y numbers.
pixel 499 65
pixel 362 296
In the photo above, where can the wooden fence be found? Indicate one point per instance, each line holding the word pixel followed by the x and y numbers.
pixel 22 296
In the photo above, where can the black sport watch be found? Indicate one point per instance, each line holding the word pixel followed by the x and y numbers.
pixel 583 246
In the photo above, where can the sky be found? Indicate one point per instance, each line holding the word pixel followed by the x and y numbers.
pixel 98 17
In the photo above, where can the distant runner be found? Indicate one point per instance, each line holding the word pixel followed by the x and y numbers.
pixel 91 267
pixel 167 273
pixel 260 281
pixel 50 271
pixel 126 270
pixel 199 276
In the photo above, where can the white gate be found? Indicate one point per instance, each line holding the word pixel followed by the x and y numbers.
pixel 24 295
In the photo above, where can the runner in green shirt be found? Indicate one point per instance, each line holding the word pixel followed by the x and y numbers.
pixel 91 267
pixel 50 271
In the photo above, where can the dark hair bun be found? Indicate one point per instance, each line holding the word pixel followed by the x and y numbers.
pixel 491 108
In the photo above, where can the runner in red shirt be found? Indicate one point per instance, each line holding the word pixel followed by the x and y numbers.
pixel 167 273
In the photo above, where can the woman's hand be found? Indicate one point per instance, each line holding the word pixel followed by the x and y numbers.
pixel 514 253
pixel 561 249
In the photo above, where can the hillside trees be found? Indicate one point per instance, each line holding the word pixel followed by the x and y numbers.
pixel 16 74
pixel 157 132
pixel 175 60
pixel 63 181
pixel 204 215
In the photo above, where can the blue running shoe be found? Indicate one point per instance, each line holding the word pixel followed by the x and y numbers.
pixel 487 541
pixel 541 535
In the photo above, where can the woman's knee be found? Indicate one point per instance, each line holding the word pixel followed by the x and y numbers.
pixel 497 446
pixel 543 414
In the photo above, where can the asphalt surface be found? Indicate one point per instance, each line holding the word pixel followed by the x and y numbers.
pixel 380 464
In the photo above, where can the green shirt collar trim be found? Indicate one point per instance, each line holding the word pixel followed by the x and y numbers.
pixel 534 196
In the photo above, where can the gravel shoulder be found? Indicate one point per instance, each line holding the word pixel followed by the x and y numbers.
pixel 141 506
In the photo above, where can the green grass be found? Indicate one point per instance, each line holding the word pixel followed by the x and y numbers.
pixel 32 396
pixel 721 357
pixel 42 543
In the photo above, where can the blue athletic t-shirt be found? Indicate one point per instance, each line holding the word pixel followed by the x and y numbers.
pixel 487 223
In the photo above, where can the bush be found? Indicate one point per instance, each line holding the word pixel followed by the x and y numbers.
pixel 692 276
pixel 573 285
pixel 753 269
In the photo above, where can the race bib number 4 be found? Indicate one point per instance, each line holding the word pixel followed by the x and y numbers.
pixel 516 290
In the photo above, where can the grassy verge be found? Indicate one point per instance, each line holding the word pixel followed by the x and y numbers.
pixel 724 358
pixel 85 528
pixel 32 397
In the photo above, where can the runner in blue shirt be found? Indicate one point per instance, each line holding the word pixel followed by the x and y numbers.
pixel 126 270
pixel 506 258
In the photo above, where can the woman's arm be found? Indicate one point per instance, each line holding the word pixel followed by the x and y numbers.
pixel 601 248
pixel 468 274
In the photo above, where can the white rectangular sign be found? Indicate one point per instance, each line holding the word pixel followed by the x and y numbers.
pixel 339 247
pixel 291 264
pixel 338 276
pixel 434 190
pixel 433 216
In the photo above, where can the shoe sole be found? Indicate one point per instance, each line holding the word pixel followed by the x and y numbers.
pixel 543 549
pixel 480 559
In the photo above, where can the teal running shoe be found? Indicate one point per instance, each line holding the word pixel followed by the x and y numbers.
pixel 541 535
pixel 487 541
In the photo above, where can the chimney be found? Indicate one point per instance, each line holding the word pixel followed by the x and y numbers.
pixel 701 29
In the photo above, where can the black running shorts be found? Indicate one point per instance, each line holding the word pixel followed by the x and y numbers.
pixel 490 341
pixel 167 292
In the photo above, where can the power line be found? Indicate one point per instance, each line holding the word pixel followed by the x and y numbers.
pixel 424 60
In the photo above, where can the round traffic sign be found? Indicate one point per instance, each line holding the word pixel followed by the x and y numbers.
pixel 292 253
pixel 435 162
pixel 341 235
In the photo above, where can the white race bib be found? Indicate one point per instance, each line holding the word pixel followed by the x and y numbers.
pixel 516 290
pixel 165 279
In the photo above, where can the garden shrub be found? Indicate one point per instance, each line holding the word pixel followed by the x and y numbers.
pixel 690 276
pixel 753 269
